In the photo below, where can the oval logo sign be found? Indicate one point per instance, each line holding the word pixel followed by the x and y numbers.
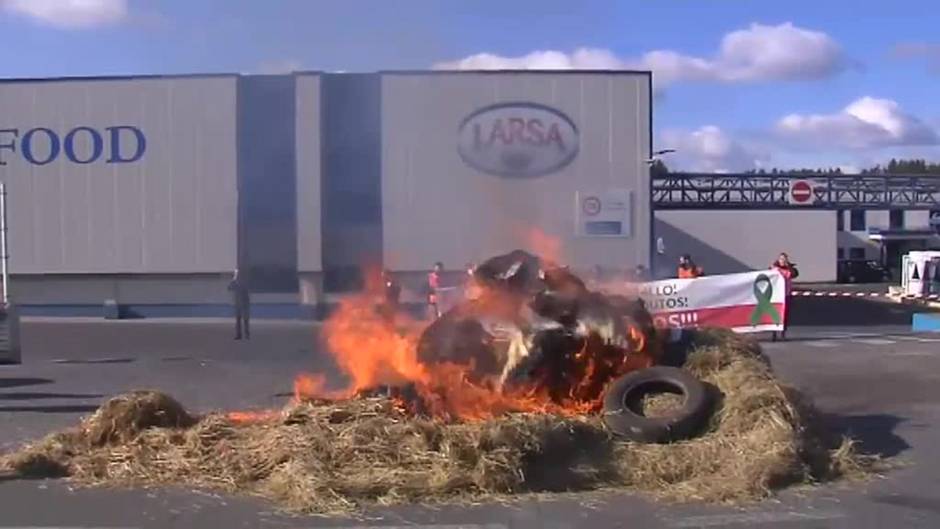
pixel 518 140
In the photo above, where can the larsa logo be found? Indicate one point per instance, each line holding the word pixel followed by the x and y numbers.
pixel 518 140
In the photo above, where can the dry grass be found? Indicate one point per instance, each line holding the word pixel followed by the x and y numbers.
pixel 660 404
pixel 340 457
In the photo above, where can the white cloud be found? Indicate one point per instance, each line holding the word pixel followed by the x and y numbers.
pixel 758 53
pixel 865 123
pixel 70 14
pixel 709 149
pixel 581 59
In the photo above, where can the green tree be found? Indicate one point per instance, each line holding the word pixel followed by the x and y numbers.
pixel 658 168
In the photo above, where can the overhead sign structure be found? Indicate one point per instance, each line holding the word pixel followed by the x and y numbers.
pixel 603 214
pixel 801 193
pixel 518 140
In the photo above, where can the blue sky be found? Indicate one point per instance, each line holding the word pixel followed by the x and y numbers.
pixel 740 83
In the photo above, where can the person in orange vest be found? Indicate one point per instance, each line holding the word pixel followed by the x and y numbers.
pixel 433 288
pixel 688 269
pixel 789 272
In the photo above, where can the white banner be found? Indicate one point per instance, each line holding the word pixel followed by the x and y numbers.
pixel 745 302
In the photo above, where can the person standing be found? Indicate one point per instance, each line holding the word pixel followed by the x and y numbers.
pixel 471 290
pixel 688 269
pixel 392 290
pixel 789 272
pixel 392 295
pixel 238 286
pixel 434 288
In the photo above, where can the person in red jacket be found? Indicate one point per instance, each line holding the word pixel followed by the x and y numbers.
pixel 433 288
pixel 789 272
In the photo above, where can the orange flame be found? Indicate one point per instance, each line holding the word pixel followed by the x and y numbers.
pixel 369 350
pixel 252 416
pixel 374 352
pixel 307 386
pixel 542 244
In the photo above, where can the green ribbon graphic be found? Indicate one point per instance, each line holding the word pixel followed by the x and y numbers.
pixel 764 306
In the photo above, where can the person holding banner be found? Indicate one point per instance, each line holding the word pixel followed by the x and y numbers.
pixel 789 272
pixel 688 269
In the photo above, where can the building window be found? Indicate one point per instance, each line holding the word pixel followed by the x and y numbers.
pixel 856 253
pixel 840 220
pixel 896 219
pixel 840 254
pixel 857 220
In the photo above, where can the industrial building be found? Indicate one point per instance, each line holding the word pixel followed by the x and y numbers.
pixel 818 240
pixel 150 191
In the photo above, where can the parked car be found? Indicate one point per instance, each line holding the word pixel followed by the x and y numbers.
pixel 861 271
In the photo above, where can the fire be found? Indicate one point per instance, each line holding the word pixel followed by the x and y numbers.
pixel 380 357
pixel 252 416
pixel 541 243
pixel 370 350
pixel 309 386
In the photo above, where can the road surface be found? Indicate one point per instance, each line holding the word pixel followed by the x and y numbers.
pixel 879 383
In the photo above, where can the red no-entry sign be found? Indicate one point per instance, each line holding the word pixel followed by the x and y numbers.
pixel 801 193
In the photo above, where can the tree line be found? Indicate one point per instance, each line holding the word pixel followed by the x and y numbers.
pixel 895 166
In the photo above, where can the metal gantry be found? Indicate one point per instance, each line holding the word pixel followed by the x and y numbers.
pixel 772 191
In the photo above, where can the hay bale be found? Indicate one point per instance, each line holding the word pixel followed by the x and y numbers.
pixel 123 418
pixel 334 457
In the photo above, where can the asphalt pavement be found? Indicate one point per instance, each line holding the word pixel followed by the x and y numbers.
pixel 873 378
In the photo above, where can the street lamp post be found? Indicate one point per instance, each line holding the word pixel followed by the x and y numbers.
pixel 657 245
pixel 656 154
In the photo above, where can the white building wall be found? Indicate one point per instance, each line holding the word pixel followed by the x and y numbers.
pixel 437 207
pixel 736 241
pixel 172 211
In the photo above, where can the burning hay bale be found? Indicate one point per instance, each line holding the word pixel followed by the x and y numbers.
pixel 334 457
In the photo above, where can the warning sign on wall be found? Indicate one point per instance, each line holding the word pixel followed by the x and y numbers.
pixel 603 213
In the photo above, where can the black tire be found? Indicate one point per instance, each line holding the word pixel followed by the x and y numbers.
pixel 625 393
